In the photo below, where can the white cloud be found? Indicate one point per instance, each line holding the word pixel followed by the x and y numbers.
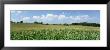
pixel 36 17
pixel 49 15
pixel 61 17
pixel 43 17
pixel 26 18
pixel 81 18
pixel 52 18
pixel 49 18
pixel 84 17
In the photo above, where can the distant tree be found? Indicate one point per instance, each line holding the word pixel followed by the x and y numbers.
pixel 54 24
pixel 41 22
pixel 12 22
pixel 36 22
pixel 75 23
pixel 47 24
pixel 87 24
pixel 18 22
pixel 84 22
pixel 66 24
pixel 21 21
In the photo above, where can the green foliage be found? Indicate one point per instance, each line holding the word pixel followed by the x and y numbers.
pixel 87 24
pixel 31 31
pixel 55 34
pixel 66 24
pixel 21 21
pixel 38 22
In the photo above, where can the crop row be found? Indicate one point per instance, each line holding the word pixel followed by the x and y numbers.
pixel 55 34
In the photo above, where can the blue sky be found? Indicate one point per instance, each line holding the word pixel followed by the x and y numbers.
pixel 56 16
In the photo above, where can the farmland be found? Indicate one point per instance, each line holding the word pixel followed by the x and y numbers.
pixel 53 32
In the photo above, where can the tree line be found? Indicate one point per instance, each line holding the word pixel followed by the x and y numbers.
pixel 81 23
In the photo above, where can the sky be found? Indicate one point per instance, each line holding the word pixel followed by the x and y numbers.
pixel 56 16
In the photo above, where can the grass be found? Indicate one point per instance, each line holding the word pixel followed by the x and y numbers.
pixel 54 32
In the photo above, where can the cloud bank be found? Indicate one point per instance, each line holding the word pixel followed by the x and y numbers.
pixel 60 19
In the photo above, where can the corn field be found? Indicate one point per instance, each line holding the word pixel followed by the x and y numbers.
pixel 35 32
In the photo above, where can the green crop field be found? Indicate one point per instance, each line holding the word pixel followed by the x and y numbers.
pixel 53 32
